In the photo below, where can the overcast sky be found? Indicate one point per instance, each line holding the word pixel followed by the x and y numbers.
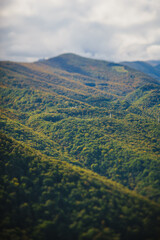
pixel 114 30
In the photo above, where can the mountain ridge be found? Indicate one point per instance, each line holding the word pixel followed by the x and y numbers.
pixel 112 79
pixel 145 67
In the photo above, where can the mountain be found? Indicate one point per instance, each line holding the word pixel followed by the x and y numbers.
pixel 154 62
pixel 87 76
pixel 149 67
pixel 80 150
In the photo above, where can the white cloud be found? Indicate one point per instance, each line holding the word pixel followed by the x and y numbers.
pixel 154 50
pixel 127 13
pixel 109 29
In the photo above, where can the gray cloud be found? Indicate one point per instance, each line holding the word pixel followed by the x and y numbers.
pixel 112 30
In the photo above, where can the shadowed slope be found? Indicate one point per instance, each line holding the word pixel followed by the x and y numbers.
pixel 42 198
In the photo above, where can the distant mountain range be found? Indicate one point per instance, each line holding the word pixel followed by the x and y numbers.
pixel 152 68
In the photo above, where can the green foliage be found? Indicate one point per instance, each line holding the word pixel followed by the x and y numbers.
pixel 114 148
pixel 42 198
pixel 92 121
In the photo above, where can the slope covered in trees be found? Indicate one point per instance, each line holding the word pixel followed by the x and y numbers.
pixel 42 198
pixel 95 119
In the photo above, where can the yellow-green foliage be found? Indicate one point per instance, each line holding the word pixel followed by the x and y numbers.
pixel 120 69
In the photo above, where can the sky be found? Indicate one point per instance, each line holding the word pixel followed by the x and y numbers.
pixel 113 30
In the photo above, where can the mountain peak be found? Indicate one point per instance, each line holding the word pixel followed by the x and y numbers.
pixel 68 56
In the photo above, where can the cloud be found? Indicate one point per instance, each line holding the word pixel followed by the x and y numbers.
pixel 126 13
pixel 112 30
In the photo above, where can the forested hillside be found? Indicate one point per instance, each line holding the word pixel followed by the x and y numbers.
pixel 80 146
pixel 42 198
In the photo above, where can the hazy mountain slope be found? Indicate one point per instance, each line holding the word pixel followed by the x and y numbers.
pixel 154 62
pixel 42 198
pixel 157 67
pixel 144 67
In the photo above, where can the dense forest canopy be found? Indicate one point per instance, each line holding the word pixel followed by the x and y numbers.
pixel 80 150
